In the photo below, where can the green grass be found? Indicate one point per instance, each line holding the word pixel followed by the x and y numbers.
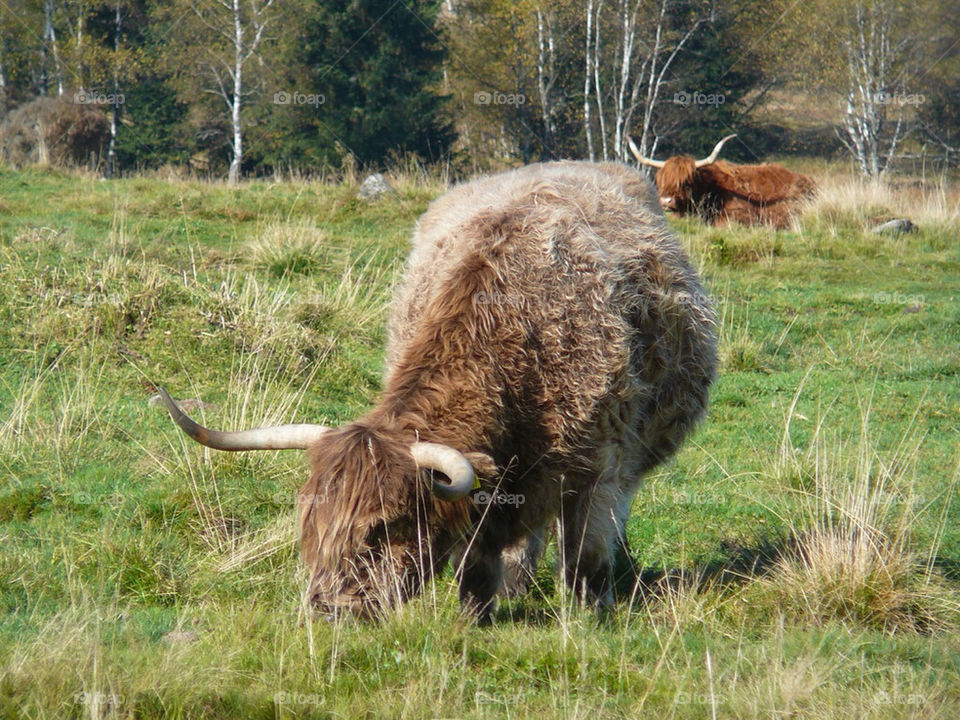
pixel 806 539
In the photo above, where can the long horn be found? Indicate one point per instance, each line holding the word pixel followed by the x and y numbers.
pixel 641 159
pixel 716 151
pixel 280 437
pixel 451 463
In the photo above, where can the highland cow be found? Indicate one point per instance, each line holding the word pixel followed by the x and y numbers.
pixel 722 192
pixel 550 344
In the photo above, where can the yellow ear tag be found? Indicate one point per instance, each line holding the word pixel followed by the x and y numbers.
pixel 476 483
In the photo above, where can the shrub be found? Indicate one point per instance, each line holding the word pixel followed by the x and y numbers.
pixel 55 131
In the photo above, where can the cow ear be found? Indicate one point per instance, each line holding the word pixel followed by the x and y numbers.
pixel 714 175
pixel 483 465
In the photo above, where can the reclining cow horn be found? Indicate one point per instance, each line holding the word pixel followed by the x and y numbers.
pixel 279 437
pixel 641 159
pixel 451 463
pixel 712 157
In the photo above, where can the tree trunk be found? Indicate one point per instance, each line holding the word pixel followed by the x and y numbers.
pixel 50 40
pixel 586 83
pixel 869 59
pixel 546 76
pixel 598 90
pixel 237 159
pixel 115 108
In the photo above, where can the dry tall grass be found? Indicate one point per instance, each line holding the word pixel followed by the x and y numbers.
pixel 851 201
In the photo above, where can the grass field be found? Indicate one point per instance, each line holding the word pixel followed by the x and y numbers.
pixel 803 550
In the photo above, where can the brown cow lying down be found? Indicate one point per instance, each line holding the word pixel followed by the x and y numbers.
pixel 550 345
pixel 722 192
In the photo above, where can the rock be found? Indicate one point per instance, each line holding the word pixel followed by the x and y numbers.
pixel 895 227
pixel 374 188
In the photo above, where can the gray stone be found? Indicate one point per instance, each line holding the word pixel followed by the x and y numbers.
pixel 895 227
pixel 374 188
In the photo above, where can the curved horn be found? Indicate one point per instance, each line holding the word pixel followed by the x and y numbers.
pixel 451 463
pixel 716 151
pixel 641 159
pixel 280 437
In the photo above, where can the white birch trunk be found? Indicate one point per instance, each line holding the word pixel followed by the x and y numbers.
pixel 587 76
pixel 237 160
pixel 115 109
pixel 50 39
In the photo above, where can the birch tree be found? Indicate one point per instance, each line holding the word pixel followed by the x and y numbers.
pixel 224 38
pixel 628 57
pixel 546 71
pixel 876 86
pixel 50 47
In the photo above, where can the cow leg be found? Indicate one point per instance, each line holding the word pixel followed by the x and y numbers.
pixel 625 571
pixel 480 572
pixel 589 531
pixel 520 563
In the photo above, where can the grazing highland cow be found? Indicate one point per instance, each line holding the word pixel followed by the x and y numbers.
pixel 722 192
pixel 550 345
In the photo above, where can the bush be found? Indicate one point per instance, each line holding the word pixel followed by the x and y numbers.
pixel 55 131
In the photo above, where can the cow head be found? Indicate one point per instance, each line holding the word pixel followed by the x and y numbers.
pixel 678 182
pixel 378 514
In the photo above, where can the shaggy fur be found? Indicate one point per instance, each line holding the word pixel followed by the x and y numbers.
pixel 723 192
pixel 551 329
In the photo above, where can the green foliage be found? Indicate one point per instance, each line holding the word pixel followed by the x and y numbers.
pixel 377 66
pixel 154 131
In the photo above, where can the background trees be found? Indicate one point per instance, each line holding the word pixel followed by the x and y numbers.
pixel 234 87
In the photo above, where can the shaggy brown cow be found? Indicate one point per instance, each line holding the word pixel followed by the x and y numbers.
pixel 722 192
pixel 550 345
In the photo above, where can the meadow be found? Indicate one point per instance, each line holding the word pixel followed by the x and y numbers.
pixel 800 556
